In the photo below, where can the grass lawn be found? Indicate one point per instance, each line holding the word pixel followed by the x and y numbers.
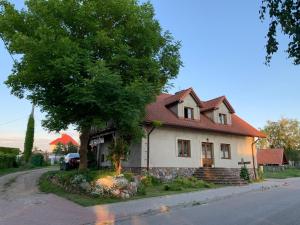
pixel 47 186
pixel 291 172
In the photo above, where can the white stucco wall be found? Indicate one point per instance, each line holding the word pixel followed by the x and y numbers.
pixel 164 153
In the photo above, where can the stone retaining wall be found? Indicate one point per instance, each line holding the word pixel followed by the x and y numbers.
pixel 169 173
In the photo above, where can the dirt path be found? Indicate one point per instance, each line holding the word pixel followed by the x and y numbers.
pixel 22 203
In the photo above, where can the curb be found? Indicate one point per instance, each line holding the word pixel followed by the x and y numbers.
pixel 165 208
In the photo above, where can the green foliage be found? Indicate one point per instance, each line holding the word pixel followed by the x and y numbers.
pixel 182 183
pixel 292 155
pixel 157 123
pixel 149 181
pixel 71 148
pixel 142 190
pixel 283 14
pixel 129 176
pixel 8 150
pixel 59 149
pixel 7 160
pixel 244 174
pixel 29 138
pixel 88 62
pixel 37 159
pixel 285 134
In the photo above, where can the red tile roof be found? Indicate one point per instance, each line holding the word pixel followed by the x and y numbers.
pixel 64 139
pixel 215 103
pixel 179 96
pixel 271 157
pixel 159 111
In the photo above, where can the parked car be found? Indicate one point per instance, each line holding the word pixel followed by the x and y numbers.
pixel 70 161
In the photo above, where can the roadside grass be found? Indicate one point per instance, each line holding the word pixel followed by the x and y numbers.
pixel 287 173
pixel 159 189
pixel 6 171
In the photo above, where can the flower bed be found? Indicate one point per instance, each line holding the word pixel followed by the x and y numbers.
pixel 99 187
pixel 106 186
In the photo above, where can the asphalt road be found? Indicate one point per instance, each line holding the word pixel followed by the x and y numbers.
pixel 278 206
pixel 21 203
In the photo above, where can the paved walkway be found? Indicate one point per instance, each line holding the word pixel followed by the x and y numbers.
pixel 20 200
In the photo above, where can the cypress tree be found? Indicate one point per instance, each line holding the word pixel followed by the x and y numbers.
pixel 29 138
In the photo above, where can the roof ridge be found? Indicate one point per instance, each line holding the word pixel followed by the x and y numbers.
pixel 220 97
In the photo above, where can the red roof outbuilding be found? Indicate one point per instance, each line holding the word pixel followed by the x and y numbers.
pixel 271 157
pixel 64 139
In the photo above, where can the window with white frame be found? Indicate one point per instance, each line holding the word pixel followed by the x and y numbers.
pixel 225 151
pixel 223 118
pixel 188 113
pixel 184 148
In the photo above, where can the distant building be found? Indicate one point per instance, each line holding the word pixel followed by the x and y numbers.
pixel 271 157
pixel 65 139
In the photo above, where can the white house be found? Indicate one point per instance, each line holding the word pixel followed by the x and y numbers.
pixel 194 134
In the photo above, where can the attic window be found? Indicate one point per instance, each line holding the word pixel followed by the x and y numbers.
pixel 188 113
pixel 223 119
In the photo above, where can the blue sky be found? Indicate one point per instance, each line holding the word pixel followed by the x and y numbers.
pixel 223 54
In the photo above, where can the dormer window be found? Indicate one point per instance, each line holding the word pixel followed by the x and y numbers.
pixel 188 113
pixel 223 119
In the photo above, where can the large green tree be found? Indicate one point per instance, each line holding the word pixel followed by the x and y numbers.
pixel 284 133
pixel 29 137
pixel 283 15
pixel 84 62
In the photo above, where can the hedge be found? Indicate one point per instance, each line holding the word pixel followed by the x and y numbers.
pixel 7 160
pixel 37 159
pixel 8 150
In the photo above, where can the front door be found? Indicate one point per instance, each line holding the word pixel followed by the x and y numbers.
pixel 207 154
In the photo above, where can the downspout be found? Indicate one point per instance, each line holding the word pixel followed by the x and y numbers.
pixel 253 158
pixel 148 147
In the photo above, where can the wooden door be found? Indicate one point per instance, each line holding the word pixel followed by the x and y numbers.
pixel 207 154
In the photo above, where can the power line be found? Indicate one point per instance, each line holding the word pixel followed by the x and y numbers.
pixel 11 121
pixel 5 44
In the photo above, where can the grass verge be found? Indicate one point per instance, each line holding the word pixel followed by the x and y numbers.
pixel 287 173
pixel 18 169
pixel 47 186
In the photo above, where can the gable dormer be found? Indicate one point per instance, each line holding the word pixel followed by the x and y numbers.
pixel 219 110
pixel 185 104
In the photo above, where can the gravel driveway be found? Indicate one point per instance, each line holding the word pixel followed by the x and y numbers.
pixel 22 204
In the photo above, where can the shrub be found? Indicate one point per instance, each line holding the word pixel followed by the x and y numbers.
pixel 7 150
pixel 129 176
pixel 186 182
pixel 37 159
pixel 172 187
pixel 150 181
pixel 141 190
pixel 7 160
pixel 244 174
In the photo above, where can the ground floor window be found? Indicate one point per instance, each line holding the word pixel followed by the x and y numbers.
pixel 184 148
pixel 225 151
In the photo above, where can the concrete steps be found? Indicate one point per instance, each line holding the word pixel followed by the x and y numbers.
pixel 223 176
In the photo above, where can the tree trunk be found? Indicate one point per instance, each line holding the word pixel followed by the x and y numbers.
pixel 118 167
pixel 84 139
